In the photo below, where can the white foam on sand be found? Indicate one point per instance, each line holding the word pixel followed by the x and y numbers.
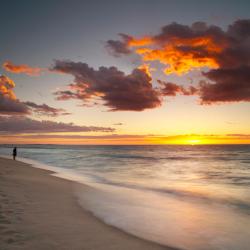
pixel 169 220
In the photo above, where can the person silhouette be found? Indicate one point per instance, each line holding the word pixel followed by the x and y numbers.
pixel 14 153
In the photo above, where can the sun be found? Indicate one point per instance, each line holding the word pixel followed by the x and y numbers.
pixel 194 141
pixel 184 140
pixel 190 140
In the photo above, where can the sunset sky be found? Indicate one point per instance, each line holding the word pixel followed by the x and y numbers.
pixel 125 72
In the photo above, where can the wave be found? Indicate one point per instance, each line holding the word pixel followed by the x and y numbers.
pixel 165 215
pixel 183 194
pixel 90 179
pixel 167 220
pixel 130 156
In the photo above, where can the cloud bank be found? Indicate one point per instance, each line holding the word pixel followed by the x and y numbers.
pixel 44 109
pixel 10 105
pixel 22 124
pixel 223 55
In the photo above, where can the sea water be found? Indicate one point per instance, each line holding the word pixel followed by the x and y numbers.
pixel 190 197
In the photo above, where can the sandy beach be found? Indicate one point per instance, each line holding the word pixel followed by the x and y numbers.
pixel 39 211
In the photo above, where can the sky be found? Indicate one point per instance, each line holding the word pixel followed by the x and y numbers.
pixel 125 72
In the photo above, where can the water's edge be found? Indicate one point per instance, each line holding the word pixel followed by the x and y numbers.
pixel 70 176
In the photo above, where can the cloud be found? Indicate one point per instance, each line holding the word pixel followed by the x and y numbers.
pixel 21 69
pixel 44 109
pixel 102 137
pixel 22 124
pixel 6 87
pixel 117 47
pixel 9 104
pixel 231 81
pixel 172 89
pixel 231 85
pixel 118 91
pixel 240 135
pixel 222 55
pixel 180 47
pixel 123 46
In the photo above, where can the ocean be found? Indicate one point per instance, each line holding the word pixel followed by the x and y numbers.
pixel 190 197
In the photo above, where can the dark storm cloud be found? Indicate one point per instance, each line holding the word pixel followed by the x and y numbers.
pixel 20 124
pixel 113 87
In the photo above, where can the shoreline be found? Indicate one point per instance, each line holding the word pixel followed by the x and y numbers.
pixel 39 211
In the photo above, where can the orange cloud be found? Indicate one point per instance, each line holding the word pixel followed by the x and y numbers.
pixel 9 104
pixel 181 48
pixel 222 56
pixel 146 68
pixel 135 42
pixel 6 87
pixel 21 69
pixel 181 55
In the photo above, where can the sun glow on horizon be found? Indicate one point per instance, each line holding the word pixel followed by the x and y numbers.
pixel 194 141
pixel 201 139
pixel 184 140
pixel 76 139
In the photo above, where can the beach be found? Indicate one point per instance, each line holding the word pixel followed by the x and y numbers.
pixel 125 197
pixel 39 211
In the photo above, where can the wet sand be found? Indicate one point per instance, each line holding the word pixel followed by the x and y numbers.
pixel 39 211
